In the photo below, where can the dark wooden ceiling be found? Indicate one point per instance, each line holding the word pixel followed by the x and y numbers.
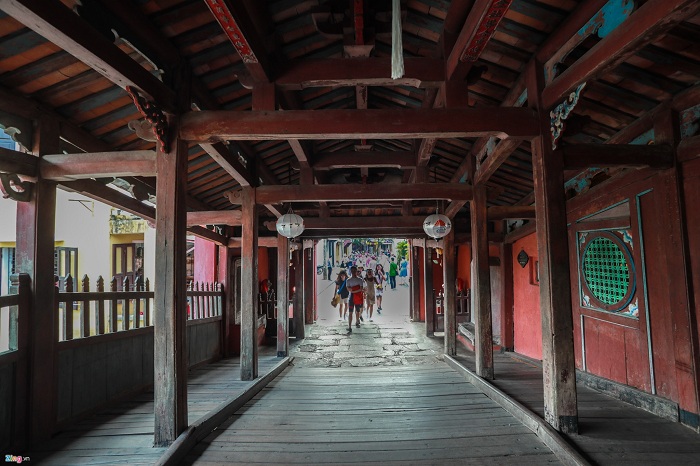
pixel 627 81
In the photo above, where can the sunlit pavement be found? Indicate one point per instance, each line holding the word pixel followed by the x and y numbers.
pixel 390 340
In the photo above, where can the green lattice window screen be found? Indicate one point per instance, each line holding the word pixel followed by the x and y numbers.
pixel 606 271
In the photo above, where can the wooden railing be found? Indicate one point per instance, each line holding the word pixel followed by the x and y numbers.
pixel 14 328
pixel 204 300
pixel 101 312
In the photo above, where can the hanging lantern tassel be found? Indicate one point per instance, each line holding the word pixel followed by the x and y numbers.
pixel 396 43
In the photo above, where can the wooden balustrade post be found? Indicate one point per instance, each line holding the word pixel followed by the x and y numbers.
pixel 100 308
pixel 68 311
pixel 126 306
pixel 147 307
pixel 85 310
pixel 113 308
pixel 138 285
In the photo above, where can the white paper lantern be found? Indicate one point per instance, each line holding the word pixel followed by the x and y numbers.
pixel 437 226
pixel 290 225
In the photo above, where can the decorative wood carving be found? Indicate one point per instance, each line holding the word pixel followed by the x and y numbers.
pixel 153 115
pixel 561 113
pixel 232 30
pixel 14 188
pixel 143 129
pixel 488 25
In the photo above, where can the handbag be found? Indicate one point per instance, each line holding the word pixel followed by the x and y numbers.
pixel 335 300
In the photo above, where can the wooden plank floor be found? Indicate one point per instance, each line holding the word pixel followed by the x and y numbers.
pixel 423 414
pixel 611 432
pixel 123 433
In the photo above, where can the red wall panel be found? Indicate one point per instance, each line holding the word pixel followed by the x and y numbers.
pixel 526 301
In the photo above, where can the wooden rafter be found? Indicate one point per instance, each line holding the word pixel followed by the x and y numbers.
pixel 236 24
pixel 652 19
pixel 55 22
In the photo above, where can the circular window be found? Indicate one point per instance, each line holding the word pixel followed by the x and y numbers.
pixel 608 272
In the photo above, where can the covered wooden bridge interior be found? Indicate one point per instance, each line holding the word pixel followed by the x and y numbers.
pixel 529 123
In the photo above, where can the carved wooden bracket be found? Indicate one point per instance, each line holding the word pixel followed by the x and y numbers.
pixel 561 113
pixel 234 197
pixel 154 116
pixel 14 188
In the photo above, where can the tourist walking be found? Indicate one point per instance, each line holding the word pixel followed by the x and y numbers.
pixel 379 279
pixel 393 272
pixel 341 289
pixel 403 271
pixel 370 284
pixel 329 267
pixel 357 297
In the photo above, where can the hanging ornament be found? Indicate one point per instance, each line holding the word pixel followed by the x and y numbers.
pixel 523 258
pixel 290 225
pixel 396 42
pixel 437 225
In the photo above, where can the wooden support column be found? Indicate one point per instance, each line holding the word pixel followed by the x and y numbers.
pixel 282 296
pixel 34 256
pixel 558 365
pixel 227 315
pixel 249 285
pixel 685 338
pixel 415 283
pixel 298 262
pixel 429 301
pixel 309 278
pixel 449 302
pixel 481 286
pixel 170 302
pixel 507 329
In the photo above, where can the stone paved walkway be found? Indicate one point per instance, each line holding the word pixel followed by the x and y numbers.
pixel 390 340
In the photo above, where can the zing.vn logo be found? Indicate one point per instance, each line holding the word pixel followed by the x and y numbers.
pixel 15 459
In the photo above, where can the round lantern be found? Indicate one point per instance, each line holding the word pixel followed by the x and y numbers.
pixel 290 225
pixel 437 226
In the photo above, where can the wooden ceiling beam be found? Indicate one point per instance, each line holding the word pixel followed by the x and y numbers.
pixel 207 234
pixel 358 124
pixel 514 212
pixel 263 241
pixel 59 25
pixel 66 167
pixel 348 72
pixel 356 192
pixel 350 159
pixel 652 19
pixel 214 217
pixel 493 162
pixel 229 162
pixel 18 163
pixel 582 156
pixel 103 193
pixel 374 224
pixel 236 23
